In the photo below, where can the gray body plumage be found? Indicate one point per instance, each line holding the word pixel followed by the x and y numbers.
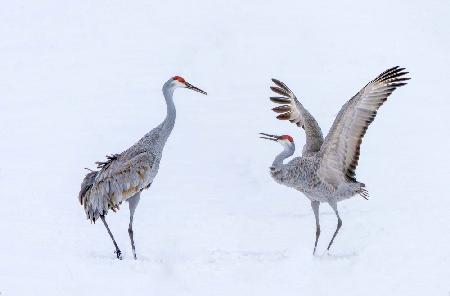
pixel 326 170
pixel 300 173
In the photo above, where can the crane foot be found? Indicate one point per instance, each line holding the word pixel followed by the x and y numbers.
pixel 118 254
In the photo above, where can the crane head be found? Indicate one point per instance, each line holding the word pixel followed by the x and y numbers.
pixel 284 140
pixel 178 81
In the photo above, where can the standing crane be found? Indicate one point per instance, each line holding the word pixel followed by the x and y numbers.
pixel 325 173
pixel 122 177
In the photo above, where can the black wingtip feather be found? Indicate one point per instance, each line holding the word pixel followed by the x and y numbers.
pixel 280 84
pixel 280 100
pixel 284 116
pixel 282 109
pixel 276 81
pixel 279 90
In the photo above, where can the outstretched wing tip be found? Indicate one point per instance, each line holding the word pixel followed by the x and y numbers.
pixel 281 85
pixel 281 109
pixel 285 116
pixel 280 90
pixel 280 100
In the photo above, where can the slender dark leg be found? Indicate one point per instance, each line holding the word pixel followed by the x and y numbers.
pixel 315 206
pixel 132 203
pixel 333 205
pixel 118 252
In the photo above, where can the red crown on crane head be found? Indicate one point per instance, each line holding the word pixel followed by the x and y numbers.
pixel 179 79
pixel 287 137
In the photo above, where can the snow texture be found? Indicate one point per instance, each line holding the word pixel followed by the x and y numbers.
pixel 82 79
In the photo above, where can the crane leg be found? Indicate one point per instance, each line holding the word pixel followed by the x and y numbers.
pixel 132 203
pixel 333 205
pixel 315 206
pixel 118 252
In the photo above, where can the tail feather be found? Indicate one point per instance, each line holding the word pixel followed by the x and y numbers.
pixel 86 185
pixel 363 192
pixel 93 205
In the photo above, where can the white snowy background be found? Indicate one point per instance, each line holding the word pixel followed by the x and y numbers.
pixel 82 79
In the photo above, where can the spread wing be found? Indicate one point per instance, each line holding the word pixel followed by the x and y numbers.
pixel 340 151
pixel 121 177
pixel 292 110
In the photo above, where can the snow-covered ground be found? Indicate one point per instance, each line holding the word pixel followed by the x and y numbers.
pixel 82 79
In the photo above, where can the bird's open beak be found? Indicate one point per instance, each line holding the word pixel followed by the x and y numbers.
pixel 190 86
pixel 269 137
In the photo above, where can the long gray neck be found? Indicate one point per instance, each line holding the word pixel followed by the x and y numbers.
pixel 169 121
pixel 287 152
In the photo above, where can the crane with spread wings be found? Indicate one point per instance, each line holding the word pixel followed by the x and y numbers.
pixel 325 173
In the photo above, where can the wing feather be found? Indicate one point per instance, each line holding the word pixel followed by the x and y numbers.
pixel 341 148
pixel 119 178
pixel 294 111
pixel 124 177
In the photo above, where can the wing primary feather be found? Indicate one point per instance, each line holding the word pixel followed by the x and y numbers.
pixel 281 84
pixel 280 100
pixel 282 109
pixel 284 116
pixel 279 90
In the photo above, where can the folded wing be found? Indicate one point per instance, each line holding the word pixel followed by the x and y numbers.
pixel 118 179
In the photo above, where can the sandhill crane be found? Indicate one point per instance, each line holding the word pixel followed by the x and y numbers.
pixel 326 170
pixel 122 177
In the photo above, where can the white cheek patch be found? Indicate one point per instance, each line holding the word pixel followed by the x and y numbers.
pixel 284 142
pixel 179 84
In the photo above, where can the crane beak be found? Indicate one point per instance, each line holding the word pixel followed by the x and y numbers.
pixel 190 86
pixel 270 137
